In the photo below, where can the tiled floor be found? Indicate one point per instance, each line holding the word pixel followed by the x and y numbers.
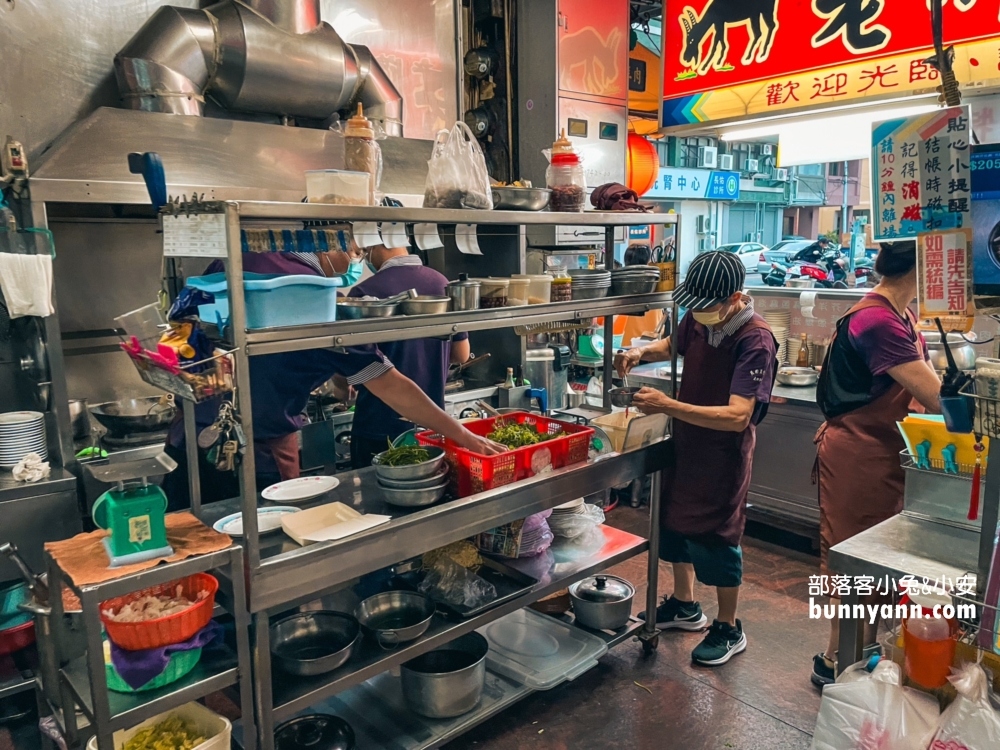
pixel 761 700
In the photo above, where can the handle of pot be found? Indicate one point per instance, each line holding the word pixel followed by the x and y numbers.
pixel 388 640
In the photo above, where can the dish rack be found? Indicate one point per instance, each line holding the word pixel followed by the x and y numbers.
pixel 933 492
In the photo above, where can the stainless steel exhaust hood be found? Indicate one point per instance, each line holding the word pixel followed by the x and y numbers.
pixel 260 56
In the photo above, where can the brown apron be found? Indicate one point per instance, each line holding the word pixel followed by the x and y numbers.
pixel 705 487
pixel 857 462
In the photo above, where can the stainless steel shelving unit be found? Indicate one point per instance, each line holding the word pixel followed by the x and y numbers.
pixel 83 682
pixel 281 575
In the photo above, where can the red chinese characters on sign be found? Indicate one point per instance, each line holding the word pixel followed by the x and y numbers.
pixel 934 271
pixel 944 281
pixel 957 280
pixel 714 44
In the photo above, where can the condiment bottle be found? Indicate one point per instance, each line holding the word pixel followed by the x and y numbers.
pixel 362 152
pixel 562 287
pixel 803 360
pixel 564 177
pixel 509 382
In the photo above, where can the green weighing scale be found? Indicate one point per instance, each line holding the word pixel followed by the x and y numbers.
pixel 134 510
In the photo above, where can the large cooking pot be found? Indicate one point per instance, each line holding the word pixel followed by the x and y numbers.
pixel 602 602
pixel 448 681
pixel 135 416
pixel 314 732
pixel 962 349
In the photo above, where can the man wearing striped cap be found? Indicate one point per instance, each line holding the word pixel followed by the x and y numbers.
pixel 729 369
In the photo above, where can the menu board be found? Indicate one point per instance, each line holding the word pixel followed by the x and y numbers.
pixel 194 235
pixel 944 279
pixel 921 178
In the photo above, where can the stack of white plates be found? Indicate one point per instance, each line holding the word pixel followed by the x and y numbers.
pixel 21 433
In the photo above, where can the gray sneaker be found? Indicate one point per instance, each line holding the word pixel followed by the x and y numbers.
pixel 673 614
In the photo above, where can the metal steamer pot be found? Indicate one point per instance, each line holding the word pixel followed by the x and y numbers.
pixel 602 602
pixel 962 349
pixel 448 681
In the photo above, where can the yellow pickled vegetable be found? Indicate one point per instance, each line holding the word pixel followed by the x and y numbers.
pixel 171 734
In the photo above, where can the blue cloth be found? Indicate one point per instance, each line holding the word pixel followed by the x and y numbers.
pixel 424 361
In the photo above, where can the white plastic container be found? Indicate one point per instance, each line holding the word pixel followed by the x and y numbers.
pixel 493 292
pixel 217 729
pixel 517 292
pixel 338 186
pixel 539 287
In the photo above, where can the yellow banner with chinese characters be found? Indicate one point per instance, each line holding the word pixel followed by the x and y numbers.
pixel 899 75
pixel 944 280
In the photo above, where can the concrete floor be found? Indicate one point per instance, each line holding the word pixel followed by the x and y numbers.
pixel 761 700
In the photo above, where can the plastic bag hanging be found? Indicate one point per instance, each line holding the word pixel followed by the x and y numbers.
pixel 456 173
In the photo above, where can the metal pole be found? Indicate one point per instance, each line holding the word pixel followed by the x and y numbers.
pixel 238 324
pixel 991 509
pixel 649 630
pixel 264 694
pixel 191 450
pixel 851 638
pixel 843 208
pixel 609 320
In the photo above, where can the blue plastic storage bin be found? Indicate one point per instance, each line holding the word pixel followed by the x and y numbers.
pixel 272 300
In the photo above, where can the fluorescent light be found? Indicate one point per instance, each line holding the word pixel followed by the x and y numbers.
pixel 829 138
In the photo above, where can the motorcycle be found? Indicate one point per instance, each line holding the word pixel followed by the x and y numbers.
pixel 830 272
pixel 776 276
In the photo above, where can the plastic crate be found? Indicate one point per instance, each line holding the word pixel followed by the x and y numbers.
pixel 472 472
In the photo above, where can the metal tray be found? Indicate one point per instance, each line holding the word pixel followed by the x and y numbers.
pixel 508 582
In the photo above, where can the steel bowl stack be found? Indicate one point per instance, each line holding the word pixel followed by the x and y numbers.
pixel 634 280
pixel 21 433
pixel 414 485
pixel 590 283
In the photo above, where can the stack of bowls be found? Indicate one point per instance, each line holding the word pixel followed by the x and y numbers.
pixel 590 283
pixel 565 519
pixel 634 280
pixel 413 485
pixel 21 433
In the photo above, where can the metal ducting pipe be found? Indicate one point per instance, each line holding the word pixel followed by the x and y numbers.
pixel 263 56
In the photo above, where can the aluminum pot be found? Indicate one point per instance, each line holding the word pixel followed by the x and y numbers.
pixel 79 418
pixel 314 732
pixel 395 617
pixel 797 376
pixel 448 681
pixel 602 602
pixel 311 643
pixel 464 293
pixel 622 397
pixel 962 350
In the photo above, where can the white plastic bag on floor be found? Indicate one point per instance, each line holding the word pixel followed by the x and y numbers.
pixel 970 723
pixel 875 714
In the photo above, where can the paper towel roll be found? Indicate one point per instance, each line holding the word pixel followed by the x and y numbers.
pixel 807 302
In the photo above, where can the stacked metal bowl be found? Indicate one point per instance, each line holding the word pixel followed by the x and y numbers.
pixel 634 280
pixel 590 283
pixel 413 485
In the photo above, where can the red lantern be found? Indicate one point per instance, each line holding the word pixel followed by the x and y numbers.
pixel 642 164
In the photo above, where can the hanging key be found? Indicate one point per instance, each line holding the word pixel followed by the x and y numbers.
pixel 227 456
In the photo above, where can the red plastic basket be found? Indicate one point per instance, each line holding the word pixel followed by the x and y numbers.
pixel 18 637
pixel 163 631
pixel 472 473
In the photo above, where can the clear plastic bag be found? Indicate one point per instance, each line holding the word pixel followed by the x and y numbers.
pixel 874 712
pixel 449 582
pixel 524 538
pixel 575 525
pixel 970 722
pixel 456 174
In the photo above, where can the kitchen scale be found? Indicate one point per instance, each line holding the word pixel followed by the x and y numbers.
pixel 134 510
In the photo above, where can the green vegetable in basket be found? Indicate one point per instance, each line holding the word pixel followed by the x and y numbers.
pixel 404 455
pixel 171 734
pixel 515 435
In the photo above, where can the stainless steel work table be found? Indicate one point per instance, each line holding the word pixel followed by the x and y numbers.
pixel 901 545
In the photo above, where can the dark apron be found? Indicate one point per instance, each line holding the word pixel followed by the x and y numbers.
pixel 705 487
pixel 857 463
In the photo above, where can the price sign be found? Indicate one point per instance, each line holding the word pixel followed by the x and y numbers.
pixel 194 236
pixel 944 279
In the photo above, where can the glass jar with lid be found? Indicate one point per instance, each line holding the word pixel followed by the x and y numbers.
pixel 564 177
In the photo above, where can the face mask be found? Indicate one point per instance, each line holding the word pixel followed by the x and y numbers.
pixel 710 318
pixel 371 267
pixel 353 275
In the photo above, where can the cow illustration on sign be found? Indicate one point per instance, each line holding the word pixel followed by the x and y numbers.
pixel 717 17
pixel 854 22
pixel 590 62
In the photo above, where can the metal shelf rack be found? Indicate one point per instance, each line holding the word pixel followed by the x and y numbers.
pixel 281 575
pixel 83 682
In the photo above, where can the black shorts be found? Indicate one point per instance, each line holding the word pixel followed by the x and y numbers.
pixel 716 563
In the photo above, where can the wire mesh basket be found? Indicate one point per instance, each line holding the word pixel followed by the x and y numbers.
pixel 986 419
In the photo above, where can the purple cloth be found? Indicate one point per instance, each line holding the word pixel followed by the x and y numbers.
pixel 139 667
pixel 284 264
pixel 424 361
pixel 884 340
pixel 755 361
pixel 614 196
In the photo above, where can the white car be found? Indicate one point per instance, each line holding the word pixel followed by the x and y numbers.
pixel 749 253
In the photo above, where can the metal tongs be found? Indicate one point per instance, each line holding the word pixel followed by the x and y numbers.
pixel 954 379
pixel 396 298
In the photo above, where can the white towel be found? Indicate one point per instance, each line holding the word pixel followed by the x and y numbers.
pixel 26 282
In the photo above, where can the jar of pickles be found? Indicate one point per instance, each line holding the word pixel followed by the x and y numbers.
pixel 564 177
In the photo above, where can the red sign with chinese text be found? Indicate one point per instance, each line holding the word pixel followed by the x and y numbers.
pixel 944 279
pixel 716 44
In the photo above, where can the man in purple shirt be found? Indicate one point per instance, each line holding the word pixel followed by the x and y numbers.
pixel 424 361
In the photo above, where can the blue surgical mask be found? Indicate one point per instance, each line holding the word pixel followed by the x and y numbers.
pixel 353 274
pixel 371 267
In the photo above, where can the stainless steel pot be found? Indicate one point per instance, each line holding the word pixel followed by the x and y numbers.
pixel 79 418
pixel 464 293
pixel 427 304
pixel 797 376
pixel 395 617
pixel 963 351
pixel 311 643
pixel 602 602
pixel 448 681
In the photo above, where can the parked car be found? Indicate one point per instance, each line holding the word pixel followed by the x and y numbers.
pixel 748 253
pixel 781 253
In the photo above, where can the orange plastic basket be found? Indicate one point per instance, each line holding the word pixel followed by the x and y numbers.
pixel 163 631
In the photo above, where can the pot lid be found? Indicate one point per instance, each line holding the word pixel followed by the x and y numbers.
pixel 314 732
pixel 934 337
pixel 603 589
pixel 464 281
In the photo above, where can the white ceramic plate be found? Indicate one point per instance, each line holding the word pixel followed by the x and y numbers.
pixel 21 417
pixel 268 521
pixel 299 490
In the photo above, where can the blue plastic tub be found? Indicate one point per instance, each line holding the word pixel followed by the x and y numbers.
pixel 272 300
